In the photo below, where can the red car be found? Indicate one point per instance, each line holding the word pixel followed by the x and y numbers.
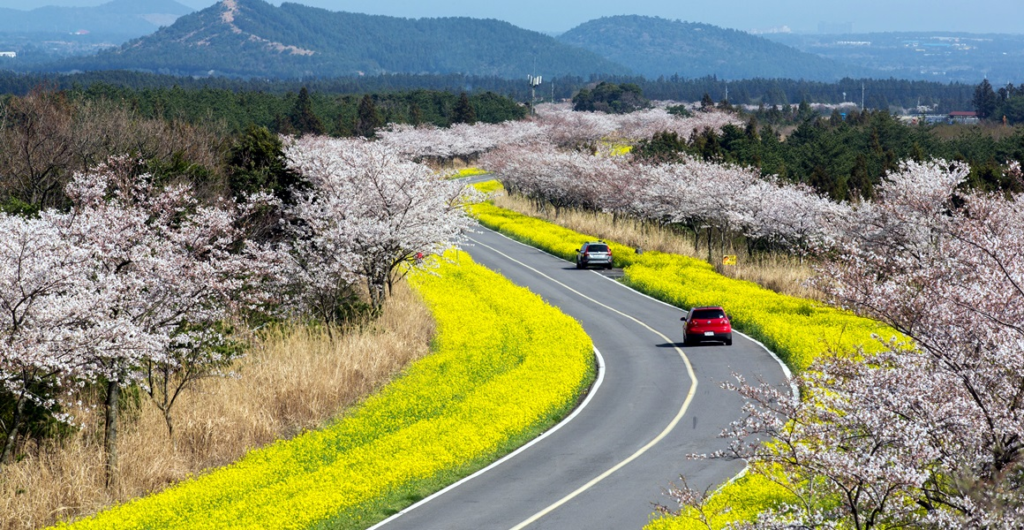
pixel 706 324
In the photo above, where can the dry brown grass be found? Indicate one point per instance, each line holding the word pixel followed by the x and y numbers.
pixel 292 379
pixel 995 131
pixel 779 272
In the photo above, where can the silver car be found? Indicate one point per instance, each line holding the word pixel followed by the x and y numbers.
pixel 597 253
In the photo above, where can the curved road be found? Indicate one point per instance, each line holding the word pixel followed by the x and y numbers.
pixel 645 386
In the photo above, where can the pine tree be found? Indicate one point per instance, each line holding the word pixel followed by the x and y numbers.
pixel 256 162
pixel 706 103
pixel 415 114
pixel 367 118
pixel 303 118
pixel 463 112
pixel 984 100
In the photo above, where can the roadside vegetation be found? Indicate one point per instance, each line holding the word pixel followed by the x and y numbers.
pixel 796 329
pixel 778 271
pixel 293 378
pixel 486 388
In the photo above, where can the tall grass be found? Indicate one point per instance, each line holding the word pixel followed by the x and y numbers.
pixel 293 379
pixel 779 272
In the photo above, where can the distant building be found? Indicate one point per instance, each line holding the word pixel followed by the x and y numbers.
pixel 772 31
pixel 8 54
pixel 963 116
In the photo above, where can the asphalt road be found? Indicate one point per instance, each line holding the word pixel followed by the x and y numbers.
pixel 608 465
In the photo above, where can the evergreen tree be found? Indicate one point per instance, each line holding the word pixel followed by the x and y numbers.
pixel 256 162
pixel 415 114
pixel 985 100
pixel 706 103
pixel 368 120
pixel 860 180
pixel 302 116
pixel 665 146
pixel 464 112
pixel 751 130
pixel 283 125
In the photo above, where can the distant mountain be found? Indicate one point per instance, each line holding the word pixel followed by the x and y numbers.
pixel 130 18
pixel 654 47
pixel 252 38
pixel 933 56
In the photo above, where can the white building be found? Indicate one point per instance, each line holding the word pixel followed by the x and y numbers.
pixel 8 54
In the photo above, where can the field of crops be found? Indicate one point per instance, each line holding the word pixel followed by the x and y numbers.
pixel 505 366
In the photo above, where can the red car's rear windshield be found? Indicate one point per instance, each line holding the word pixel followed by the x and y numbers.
pixel 597 248
pixel 708 314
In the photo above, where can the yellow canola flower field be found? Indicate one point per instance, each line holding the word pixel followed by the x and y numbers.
pixel 505 366
pixel 797 330
pixel 468 172
pixel 740 500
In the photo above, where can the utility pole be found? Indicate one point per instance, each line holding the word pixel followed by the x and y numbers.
pixel 534 83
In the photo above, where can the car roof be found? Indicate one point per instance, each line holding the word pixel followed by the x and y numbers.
pixel 707 307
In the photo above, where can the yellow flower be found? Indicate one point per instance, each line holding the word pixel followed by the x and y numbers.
pixel 505 364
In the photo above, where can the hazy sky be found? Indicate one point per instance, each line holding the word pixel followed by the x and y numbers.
pixel 978 16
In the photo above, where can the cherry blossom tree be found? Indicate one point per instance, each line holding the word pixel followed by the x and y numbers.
pixel 46 312
pixel 442 145
pixel 173 271
pixel 929 432
pixel 134 284
pixel 697 193
pixel 369 214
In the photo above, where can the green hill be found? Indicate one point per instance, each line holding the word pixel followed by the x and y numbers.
pixel 252 38
pixel 654 47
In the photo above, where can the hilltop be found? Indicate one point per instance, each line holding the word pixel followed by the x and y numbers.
pixel 252 38
pixel 654 47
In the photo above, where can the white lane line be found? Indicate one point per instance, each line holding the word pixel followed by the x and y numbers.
pixel 785 369
pixel 645 448
pixel 531 443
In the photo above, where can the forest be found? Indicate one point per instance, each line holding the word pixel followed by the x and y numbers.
pixel 877 93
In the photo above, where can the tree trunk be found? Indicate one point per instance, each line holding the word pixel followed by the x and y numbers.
pixel 170 429
pixel 376 288
pixel 709 244
pixel 110 438
pixel 12 435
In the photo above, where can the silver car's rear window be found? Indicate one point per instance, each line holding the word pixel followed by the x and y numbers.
pixel 597 248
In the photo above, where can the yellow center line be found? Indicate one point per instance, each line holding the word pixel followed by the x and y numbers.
pixel 645 448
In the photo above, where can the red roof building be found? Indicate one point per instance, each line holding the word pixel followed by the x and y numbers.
pixel 963 116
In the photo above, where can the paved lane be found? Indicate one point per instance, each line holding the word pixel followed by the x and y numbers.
pixel 645 385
